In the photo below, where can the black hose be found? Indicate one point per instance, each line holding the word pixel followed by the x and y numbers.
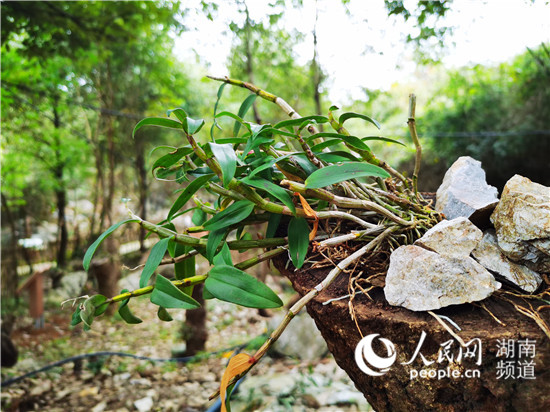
pixel 128 355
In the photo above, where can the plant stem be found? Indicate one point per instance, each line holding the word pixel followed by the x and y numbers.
pixel 293 114
pixel 148 289
pixel 418 156
pixel 308 297
pixel 344 202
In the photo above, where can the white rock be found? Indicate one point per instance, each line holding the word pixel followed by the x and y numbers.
pixel 491 257
pixel 301 339
pixel 419 279
pixel 455 238
pixel 144 404
pixel 465 192
pixel 522 222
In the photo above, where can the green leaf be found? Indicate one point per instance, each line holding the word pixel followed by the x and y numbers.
pixel 338 156
pixel 172 157
pixel 188 192
pixel 91 250
pixel 245 106
pixel 235 117
pixel 311 138
pixel 299 121
pixel 338 173
pixel 199 217
pixel 224 256
pixel 269 164
pixel 383 139
pixel 157 121
pixel 193 126
pixel 163 315
pixel 235 213
pixel 272 225
pixel 179 112
pixel 230 284
pixel 232 140
pixel 100 307
pixel 215 237
pixel 227 159
pixel 76 319
pixel 298 240
pixel 153 261
pixel 351 115
pixel 167 295
pixel 215 124
pixel 326 143
pixel 125 312
pixel 206 294
pixel 273 189
pixel 92 307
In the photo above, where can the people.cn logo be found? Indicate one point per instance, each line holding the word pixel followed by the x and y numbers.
pixel 368 361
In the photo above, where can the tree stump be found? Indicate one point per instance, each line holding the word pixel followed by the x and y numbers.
pixel 395 390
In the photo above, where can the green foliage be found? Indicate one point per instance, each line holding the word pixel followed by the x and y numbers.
pixel 338 173
pixel 92 249
pixel 233 285
pixel 298 240
pixel 246 176
pixel 498 115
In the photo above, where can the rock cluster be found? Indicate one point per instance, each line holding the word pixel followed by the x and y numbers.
pixel 455 262
pixel 465 192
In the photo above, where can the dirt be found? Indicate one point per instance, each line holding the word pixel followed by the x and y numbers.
pixel 120 384
pixel 397 389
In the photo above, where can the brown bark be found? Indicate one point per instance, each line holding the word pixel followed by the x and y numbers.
pixel 195 324
pixel 61 197
pixel 142 187
pixel 107 272
pixel 395 390
pixel 9 271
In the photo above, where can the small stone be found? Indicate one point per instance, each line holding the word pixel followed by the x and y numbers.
pixel 522 222
pixel 141 382
pixel 144 404
pixel 454 238
pixel 310 401
pixel 100 407
pixel 301 339
pixel 491 257
pixel 41 387
pixel 419 279
pixel 90 391
pixel 465 192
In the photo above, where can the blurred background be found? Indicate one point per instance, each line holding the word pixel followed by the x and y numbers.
pixel 77 76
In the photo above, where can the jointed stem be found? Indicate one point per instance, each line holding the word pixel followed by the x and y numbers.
pixel 312 294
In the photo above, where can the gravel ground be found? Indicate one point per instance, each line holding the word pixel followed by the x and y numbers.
pixel 126 384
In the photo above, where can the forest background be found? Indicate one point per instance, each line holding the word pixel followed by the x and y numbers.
pixel 77 76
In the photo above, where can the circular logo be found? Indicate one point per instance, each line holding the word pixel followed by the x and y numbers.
pixel 368 361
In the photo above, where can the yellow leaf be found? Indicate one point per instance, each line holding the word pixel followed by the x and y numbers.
pixel 310 213
pixel 237 365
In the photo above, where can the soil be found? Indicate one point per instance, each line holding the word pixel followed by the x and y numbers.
pixel 398 389
pixel 117 383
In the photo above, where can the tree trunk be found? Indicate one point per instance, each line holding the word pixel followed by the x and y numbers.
pixel 10 279
pixel 142 187
pixel 195 325
pixel 63 237
pixel 60 195
pixel 398 389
